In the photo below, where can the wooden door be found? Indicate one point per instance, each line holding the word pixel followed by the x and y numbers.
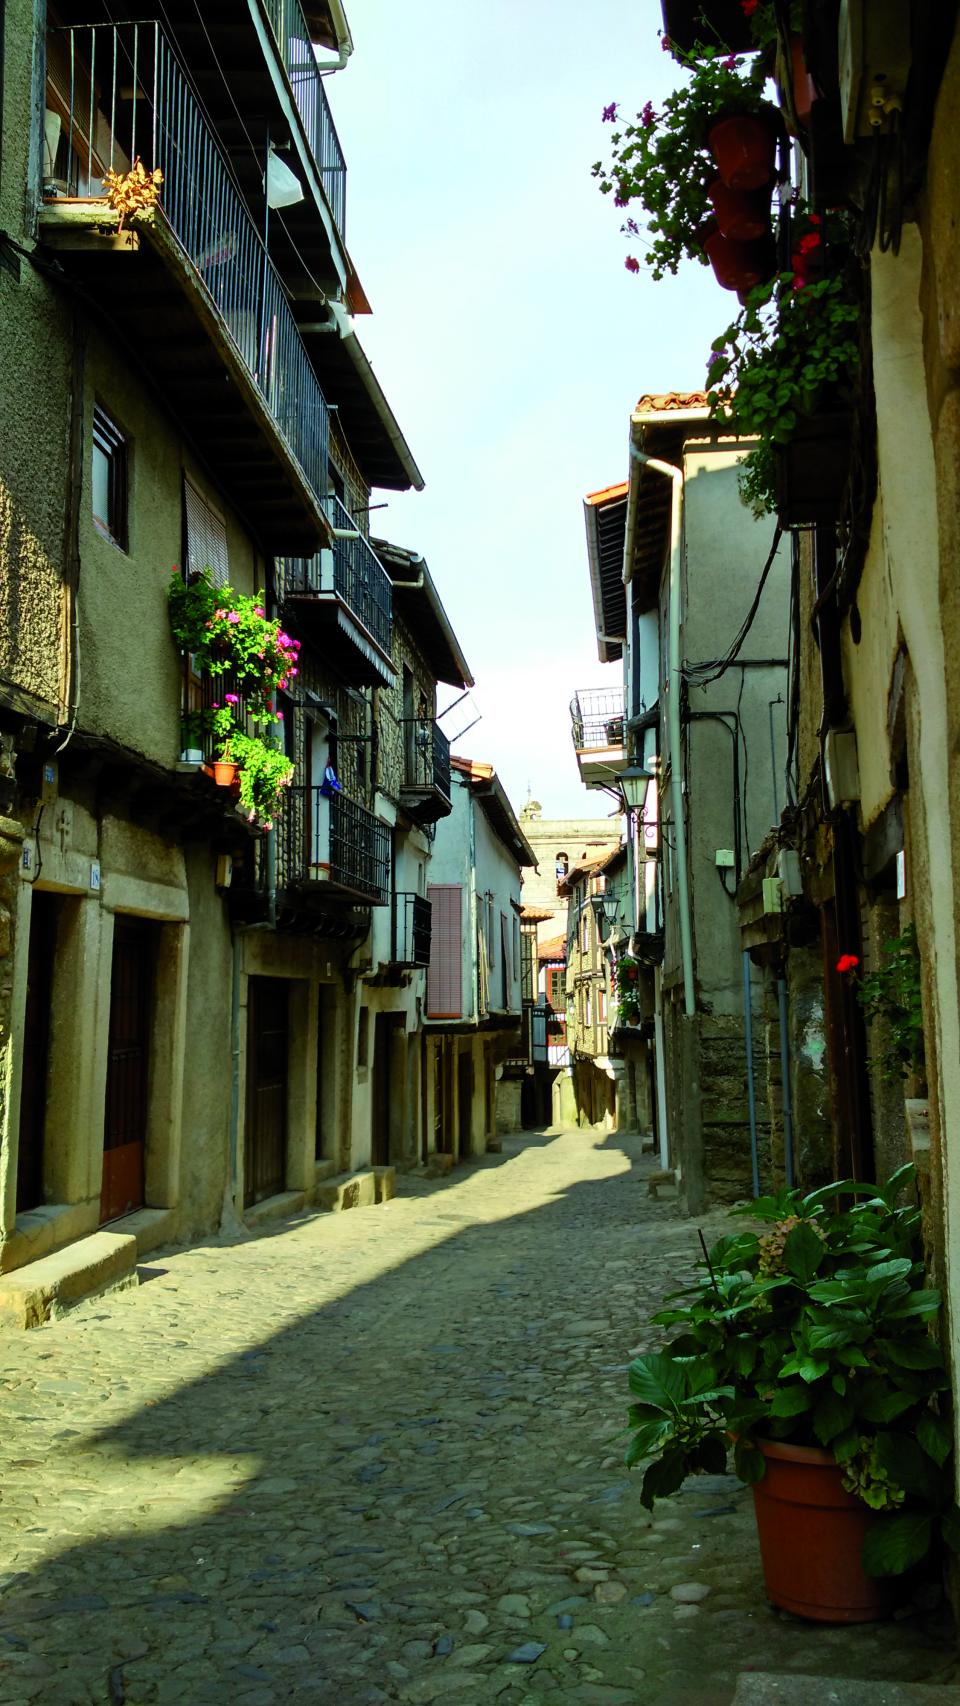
pixel 265 1145
pixel 464 1102
pixel 36 1049
pixel 380 1110
pixel 128 1066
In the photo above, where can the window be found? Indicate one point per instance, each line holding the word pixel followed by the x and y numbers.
pixel 109 477
pixel 444 977
pixel 205 536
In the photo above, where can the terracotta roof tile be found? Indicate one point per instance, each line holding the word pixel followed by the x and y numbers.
pixel 663 402
pixel 554 948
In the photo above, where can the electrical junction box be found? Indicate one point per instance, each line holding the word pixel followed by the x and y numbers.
pixel 788 869
pixel 772 895
pixel 724 858
pixel 841 768
pixel 49 781
pixel 874 55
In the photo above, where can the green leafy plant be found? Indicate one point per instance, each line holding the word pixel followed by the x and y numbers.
pixel 264 773
pixel 814 1331
pixel 662 161
pixel 626 980
pixel 792 345
pixel 892 994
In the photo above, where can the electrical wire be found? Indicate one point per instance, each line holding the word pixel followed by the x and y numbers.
pixel 702 673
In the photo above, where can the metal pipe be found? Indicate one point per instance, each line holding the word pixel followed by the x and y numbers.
pixel 785 1083
pixel 234 1076
pixel 674 682
pixel 751 1098
pixel 662 1130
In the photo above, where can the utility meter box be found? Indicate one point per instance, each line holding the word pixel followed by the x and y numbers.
pixel 874 51
pixel 841 767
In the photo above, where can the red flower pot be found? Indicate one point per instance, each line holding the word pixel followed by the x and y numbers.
pixel 739 266
pixel 811 1531
pixel 741 214
pixel 744 147
pixel 224 772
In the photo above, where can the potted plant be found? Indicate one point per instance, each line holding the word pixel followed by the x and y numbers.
pixel 625 975
pixel 892 996
pixel 663 159
pixel 781 373
pixel 265 772
pixel 806 1343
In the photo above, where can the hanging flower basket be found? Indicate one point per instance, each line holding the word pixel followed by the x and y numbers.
pixel 738 266
pixel 744 146
pixel 743 215
pixel 224 772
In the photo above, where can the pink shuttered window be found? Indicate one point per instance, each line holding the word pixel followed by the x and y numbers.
pixel 444 977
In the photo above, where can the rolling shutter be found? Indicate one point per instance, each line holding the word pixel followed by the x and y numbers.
pixel 445 974
pixel 206 536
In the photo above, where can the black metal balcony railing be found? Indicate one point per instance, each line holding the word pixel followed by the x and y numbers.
pixel 336 841
pixel 203 694
pixel 428 757
pixel 300 63
pixel 129 97
pixel 596 716
pixel 359 846
pixel 355 574
pixel 412 929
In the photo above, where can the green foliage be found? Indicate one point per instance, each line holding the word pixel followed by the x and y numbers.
pixel 811 1327
pixel 662 160
pixel 230 636
pixel 791 344
pixel 626 979
pixel 892 994
pixel 265 771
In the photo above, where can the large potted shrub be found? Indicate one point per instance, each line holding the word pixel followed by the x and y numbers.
pixel 805 1343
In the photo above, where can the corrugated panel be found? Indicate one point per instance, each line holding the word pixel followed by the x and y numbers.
pixel 445 973
pixel 206 537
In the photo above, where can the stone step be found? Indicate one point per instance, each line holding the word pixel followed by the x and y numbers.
pixel 761 1688
pixel 362 1189
pixel 106 1261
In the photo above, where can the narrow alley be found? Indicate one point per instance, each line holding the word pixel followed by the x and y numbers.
pixel 378 1457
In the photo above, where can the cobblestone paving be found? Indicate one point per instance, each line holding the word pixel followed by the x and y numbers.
pixel 374 1457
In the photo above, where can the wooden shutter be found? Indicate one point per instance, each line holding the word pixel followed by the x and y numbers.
pixel 445 973
pixel 206 536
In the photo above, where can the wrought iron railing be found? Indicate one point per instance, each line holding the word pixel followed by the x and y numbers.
pixel 201 695
pixel 412 928
pixel 596 716
pixel 127 97
pixel 428 757
pixel 352 570
pixel 300 63
pixel 336 841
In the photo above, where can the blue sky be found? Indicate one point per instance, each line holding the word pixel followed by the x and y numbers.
pixel 508 336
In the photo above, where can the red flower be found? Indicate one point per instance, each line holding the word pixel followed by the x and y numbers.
pixel 847 962
pixel 648 116
pixel 666 44
pixel 632 264
pixel 748 7
pixel 810 242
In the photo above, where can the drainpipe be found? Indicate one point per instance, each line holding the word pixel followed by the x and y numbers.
pixel 785 1081
pixel 338 18
pixel 674 681
pixel 751 1097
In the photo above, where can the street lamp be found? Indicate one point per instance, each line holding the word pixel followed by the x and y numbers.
pixel 633 784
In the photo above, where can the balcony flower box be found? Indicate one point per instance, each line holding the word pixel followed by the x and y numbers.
pixel 738 266
pixel 744 146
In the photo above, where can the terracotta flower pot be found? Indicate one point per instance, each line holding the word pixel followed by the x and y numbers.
pixel 224 772
pixel 811 1531
pixel 739 266
pixel 743 215
pixel 744 146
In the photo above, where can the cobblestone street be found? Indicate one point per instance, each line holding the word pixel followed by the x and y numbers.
pixel 374 1457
